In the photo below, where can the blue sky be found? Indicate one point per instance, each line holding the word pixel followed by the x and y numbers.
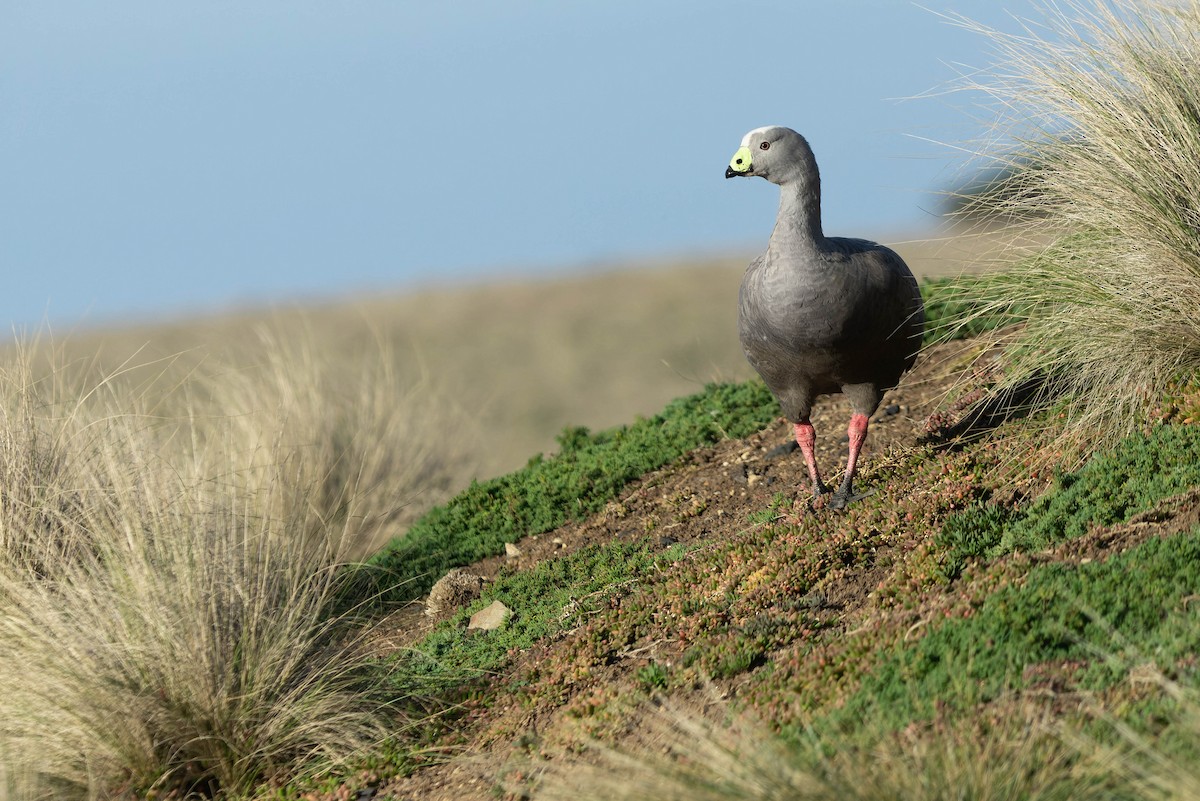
pixel 160 159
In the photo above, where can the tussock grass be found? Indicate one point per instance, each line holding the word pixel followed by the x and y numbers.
pixel 172 605
pixel 688 758
pixel 369 447
pixel 1154 766
pixel 1103 102
pixel 955 310
pixel 1013 752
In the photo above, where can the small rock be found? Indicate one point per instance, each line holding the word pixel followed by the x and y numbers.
pixel 888 411
pixel 456 588
pixel 558 543
pixel 752 479
pixel 785 449
pixel 511 551
pixel 490 617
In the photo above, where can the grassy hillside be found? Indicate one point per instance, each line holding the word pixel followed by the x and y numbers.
pixel 852 629
pixel 670 558
pixel 849 628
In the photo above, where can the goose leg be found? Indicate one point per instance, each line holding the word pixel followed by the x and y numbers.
pixel 806 438
pixel 857 433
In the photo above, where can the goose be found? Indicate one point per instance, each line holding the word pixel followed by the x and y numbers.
pixel 820 315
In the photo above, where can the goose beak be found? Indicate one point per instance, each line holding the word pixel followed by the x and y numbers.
pixel 740 164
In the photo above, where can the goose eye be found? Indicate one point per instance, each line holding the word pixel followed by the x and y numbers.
pixel 765 146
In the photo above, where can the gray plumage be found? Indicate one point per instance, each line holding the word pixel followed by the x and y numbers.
pixel 821 315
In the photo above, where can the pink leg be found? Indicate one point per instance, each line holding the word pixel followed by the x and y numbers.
pixel 806 438
pixel 857 433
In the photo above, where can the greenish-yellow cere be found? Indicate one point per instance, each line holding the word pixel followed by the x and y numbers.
pixel 741 160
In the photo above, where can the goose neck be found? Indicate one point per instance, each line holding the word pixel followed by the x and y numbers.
pixel 799 218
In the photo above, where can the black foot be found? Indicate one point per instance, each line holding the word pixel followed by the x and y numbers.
pixel 846 496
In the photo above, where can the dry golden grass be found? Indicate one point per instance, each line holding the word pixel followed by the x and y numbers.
pixel 170 538
pixel 1013 750
pixel 1103 105
pixel 687 758
pixel 1023 754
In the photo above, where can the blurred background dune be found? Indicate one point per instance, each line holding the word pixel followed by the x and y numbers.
pixel 514 362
